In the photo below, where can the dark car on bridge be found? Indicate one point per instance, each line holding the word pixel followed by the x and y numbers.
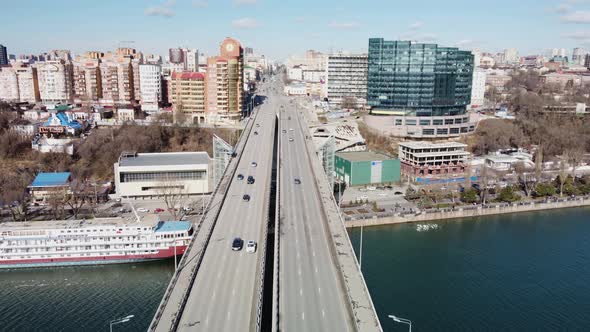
pixel 250 179
pixel 237 244
pixel 297 181
pixel 246 198
pixel 240 177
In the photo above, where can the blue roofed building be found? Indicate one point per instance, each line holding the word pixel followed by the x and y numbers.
pixel 46 184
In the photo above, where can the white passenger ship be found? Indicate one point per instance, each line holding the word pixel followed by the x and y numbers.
pixel 90 242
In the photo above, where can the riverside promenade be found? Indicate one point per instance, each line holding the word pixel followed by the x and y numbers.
pixel 466 211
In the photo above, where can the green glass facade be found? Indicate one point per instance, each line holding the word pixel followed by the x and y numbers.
pixel 416 79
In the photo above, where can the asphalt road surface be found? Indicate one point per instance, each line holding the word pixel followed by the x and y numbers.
pixel 224 296
pixel 309 293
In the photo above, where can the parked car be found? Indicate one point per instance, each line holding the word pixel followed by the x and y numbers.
pixel 284 131
pixel 237 244
pixel 158 210
pixel 251 247
pixel 253 164
pixel 142 210
pixel 371 188
pixel 246 198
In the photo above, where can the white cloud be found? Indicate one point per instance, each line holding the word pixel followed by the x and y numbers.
pixel 562 8
pixel 200 3
pixel 416 25
pixel 245 2
pixel 427 37
pixel 580 16
pixel 245 23
pixel 159 11
pixel 578 35
pixel 344 25
pixel 162 10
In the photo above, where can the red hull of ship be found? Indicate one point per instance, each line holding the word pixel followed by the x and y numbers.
pixel 161 254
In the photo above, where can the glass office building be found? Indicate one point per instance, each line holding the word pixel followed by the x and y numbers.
pixel 425 87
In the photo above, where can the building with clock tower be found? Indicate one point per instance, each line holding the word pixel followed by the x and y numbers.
pixel 224 83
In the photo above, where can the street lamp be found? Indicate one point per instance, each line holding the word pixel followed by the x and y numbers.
pixel 401 320
pixel 120 321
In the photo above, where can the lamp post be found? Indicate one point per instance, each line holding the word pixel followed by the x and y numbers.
pixel 401 320
pixel 120 321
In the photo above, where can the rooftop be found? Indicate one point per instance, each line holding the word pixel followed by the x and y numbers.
pixel 363 156
pixel 172 226
pixel 428 145
pixel 164 159
pixel 51 179
pixel 188 76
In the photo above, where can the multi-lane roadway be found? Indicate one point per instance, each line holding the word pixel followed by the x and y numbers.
pixel 310 295
pixel 225 292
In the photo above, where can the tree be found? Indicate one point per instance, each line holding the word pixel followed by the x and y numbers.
pixel 539 164
pixel 545 189
pixel 469 195
pixel 507 194
pixel 56 201
pixel 562 176
pixel 523 178
pixel 348 102
pixel 174 193
pixel 76 198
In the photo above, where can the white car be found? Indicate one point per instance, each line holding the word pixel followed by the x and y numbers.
pixel 254 164
pixel 291 139
pixel 371 188
pixel 362 198
pixel 142 210
pixel 251 247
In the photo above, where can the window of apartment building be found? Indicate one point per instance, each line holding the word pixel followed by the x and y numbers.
pixel 398 122
pixel 425 122
pixel 464 129
pixel 454 130
pixel 410 122
pixel 428 132
pixel 449 121
pixel 442 131
pixel 437 122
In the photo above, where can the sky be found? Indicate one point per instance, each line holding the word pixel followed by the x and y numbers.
pixel 279 28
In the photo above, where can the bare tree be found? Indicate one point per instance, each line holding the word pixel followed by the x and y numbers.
pixel 539 164
pixel 562 175
pixel 174 194
pixel 521 171
pixel 348 102
pixel 56 201
pixel 76 198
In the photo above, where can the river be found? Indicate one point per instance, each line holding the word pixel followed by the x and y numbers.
pixel 520 272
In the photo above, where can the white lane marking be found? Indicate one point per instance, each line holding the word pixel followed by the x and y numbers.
pixel 233 291
pixel 228 314
pixel 319 289
pixel 323 313
pixel 300 291
pixel 313 253
pixel 316 269
pixel 299 271
pixel 303 315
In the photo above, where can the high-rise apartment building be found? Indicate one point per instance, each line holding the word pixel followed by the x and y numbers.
pixel 150 87
pixel 346 78
pixel 579 56
pixel 424 87
pixel 225 85
pixel 19 84
pixel 183 59
pixel 478 88
pixel 55 81
pixel 511 56
pixel 8 85
pixel 117 82
pixel 3 55
pixel 87 80
pixel 187 94
pixel 311 60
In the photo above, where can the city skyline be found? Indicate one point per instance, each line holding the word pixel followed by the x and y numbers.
pixel 155 26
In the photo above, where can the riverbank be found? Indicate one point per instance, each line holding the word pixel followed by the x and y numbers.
pixel 468 211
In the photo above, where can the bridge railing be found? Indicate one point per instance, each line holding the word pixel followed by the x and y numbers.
pixel 191 247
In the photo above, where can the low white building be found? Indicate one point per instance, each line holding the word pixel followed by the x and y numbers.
pixel 314 75
pixel 478 88
pixel 160 174
pixel 295 73
pixel 296 89
pixel 46 144
pixel 507 162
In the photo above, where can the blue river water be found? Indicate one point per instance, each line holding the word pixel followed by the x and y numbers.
pixel 520 272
